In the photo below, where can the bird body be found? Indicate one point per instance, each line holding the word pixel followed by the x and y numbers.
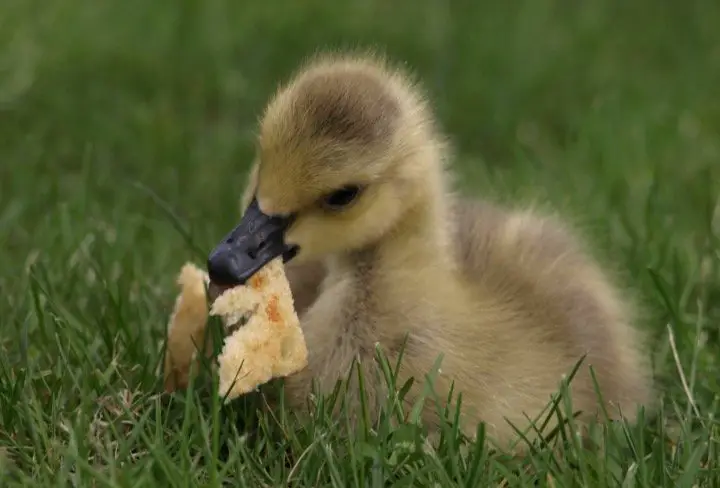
pixel 388 255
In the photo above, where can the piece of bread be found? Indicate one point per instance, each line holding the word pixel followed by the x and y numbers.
pixel 263 341
pixel 186 328
pixel 270 344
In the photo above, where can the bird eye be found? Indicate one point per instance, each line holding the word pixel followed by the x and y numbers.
pixel 341 198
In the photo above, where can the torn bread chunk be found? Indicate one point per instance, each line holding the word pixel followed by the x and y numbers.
pixel 270 344
pixel 186 328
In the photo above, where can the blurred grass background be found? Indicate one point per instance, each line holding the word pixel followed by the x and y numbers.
pixel 606 110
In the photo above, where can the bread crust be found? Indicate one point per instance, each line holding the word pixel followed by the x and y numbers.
pixel 186 328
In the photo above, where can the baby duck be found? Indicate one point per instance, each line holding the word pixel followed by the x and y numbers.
pixel 351 186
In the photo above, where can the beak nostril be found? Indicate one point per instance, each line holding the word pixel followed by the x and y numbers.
pixel 252 253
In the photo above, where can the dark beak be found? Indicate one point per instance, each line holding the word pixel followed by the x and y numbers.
pixel 257 240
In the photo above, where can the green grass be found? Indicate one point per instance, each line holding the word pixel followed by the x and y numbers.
pixel 125 132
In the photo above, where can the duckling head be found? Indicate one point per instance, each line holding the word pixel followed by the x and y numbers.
pixel 345 150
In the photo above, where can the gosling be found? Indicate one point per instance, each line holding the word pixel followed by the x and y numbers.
pixel 352 187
